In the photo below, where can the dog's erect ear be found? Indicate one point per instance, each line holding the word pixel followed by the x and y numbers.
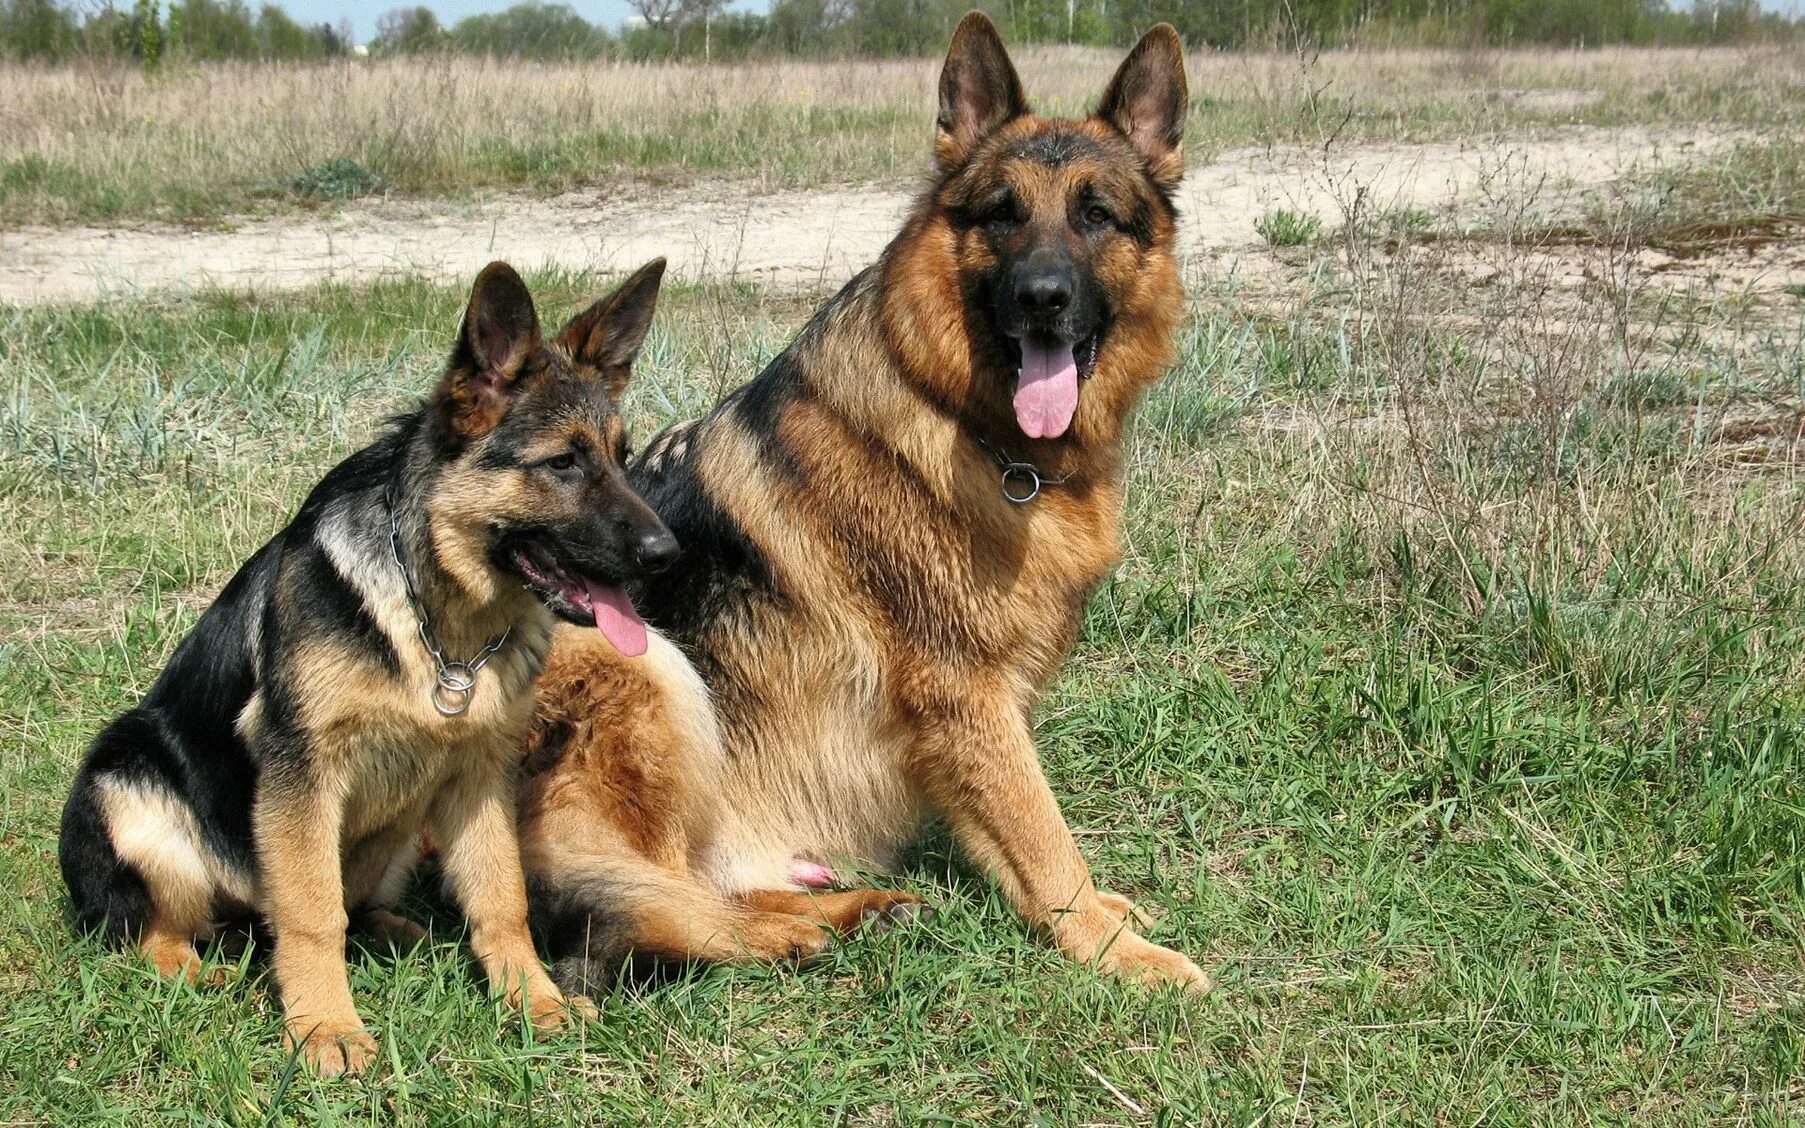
pixel 500 332
pixel 607 335
pixel 979 91
pixel 1146 100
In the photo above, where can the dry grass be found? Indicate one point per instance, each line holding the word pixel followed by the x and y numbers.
pixel 1447 697
pixel 96 144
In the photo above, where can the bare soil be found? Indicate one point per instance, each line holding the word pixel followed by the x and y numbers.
pixel 813 239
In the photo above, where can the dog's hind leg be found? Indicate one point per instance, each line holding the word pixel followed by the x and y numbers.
pixel 155 838
pixel 841 911
pixel 374 879
pixel 597 902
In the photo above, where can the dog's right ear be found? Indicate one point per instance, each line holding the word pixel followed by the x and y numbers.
pixel 500 332
pixel 979 91
pixel 606 337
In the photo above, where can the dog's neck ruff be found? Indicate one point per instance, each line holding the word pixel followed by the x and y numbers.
pixel 1021 481
pixel 455 682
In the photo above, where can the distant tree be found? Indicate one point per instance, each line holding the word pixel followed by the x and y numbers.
pixel 279 36
pixel 905 27
pixel 1730 21
pixel 803 27
pixel 1058 21
pixel 703 14
pixel 659 15
pixel 709 29
pixel 36 29
pixel 532 31
pixel 214 29
pixel 401 31
pixel 143 34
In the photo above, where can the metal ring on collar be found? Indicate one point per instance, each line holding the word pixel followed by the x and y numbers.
pixel 456 685
pixel 1023 477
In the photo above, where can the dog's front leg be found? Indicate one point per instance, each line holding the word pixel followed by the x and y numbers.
pixel 479 852
pixel 297 830
pixel 978 762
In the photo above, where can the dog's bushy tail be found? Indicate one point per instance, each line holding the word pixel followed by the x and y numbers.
pixel 582 930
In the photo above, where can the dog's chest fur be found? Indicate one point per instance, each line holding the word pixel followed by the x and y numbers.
pixel 371 732
pixel 943 589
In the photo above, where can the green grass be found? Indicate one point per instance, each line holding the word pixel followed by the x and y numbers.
pixel 1284 228
pixel 338 179
pixel 1458 728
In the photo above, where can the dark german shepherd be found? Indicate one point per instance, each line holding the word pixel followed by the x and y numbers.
pixel 890 536
pixel 370 671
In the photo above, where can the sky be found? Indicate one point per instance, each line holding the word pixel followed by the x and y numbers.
pixel 608 13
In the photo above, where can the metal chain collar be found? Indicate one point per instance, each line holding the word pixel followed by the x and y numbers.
pixel 1021 480
pixel 456 681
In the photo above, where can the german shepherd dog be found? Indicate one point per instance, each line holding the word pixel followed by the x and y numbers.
pixel 890 535
pixel 370 672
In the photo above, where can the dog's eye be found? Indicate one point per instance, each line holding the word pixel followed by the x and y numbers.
pixel 1001 212
pixel 561 463
pixel 1096 216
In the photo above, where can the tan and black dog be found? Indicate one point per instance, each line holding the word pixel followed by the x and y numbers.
pixel 370 671
pixel 890 536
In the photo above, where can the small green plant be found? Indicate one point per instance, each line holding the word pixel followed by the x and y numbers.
pixel 338 179
pixel 1406 220
pixel 1796 289
pixel 1284 228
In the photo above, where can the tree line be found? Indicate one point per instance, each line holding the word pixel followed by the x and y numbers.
pixel 152 31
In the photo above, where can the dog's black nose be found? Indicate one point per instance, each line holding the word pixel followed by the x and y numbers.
pixel 656 551
pixel 1043 291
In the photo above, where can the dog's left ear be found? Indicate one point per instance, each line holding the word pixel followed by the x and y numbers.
pixel 979 91
pixel 607 335
pixel 500 331
pixel 1146 101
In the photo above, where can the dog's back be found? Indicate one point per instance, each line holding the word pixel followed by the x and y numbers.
pixel 165 794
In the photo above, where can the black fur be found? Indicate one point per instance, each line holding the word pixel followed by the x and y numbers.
pixel 586 940
pixel 182 738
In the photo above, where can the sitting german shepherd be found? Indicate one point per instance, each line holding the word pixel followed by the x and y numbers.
pixel 890 536
pixel 370 671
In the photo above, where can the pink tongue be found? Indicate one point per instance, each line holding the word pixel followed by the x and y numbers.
pixel 1046 394
pixel 616 618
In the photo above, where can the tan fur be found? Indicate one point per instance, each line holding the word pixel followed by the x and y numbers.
pixel 921 614
pixel 351 755
pixel 623 777
pixel 159 835
pixel 382 763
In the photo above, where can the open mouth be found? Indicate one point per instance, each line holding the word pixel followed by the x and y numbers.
pixel 1046 385
pixel 581 599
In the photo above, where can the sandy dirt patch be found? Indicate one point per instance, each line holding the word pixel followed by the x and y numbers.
pixel 795 240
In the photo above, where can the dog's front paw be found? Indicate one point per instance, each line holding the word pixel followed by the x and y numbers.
pixel 550 1009
pixel 1138 960
pixel 332 1048
pixel 1124 910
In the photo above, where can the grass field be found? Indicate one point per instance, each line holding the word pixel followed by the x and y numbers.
pixel 200 145
pixel 1449 700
